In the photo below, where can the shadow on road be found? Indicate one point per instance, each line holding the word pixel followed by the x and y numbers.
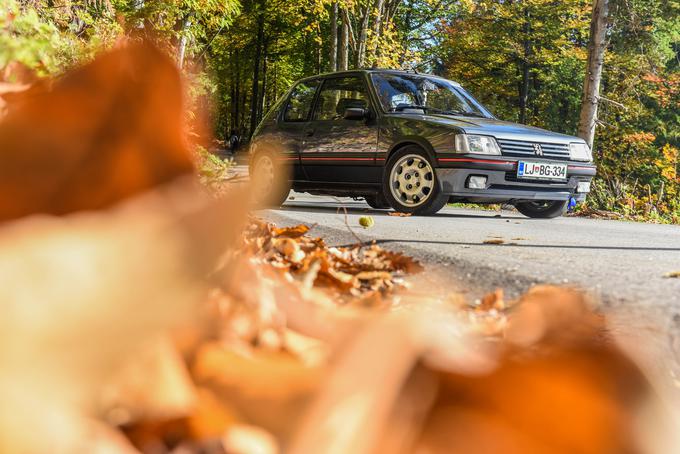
pixel 367 210
pixel 512 244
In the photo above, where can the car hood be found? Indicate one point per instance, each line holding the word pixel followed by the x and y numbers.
pixel 500 129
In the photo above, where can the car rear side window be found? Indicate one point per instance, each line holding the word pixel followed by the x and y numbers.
pixel 300 101
pixel 339 94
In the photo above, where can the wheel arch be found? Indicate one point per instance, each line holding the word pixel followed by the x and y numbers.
pixel 259 146
pixel 419 142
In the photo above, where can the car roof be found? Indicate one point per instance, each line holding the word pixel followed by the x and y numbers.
pixel 375 70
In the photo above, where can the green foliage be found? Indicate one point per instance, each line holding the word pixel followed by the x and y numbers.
pixel 50 39
pixel 212 170
pixel 488 44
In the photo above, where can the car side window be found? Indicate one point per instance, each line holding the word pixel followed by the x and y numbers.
pixel 339 94
pixel 300 101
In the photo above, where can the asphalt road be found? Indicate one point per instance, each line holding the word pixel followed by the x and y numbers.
pixel 621 263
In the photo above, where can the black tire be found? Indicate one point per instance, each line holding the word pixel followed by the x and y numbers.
pixel 273 189
pixel 543 209
pixel 431 202
pixel 377 201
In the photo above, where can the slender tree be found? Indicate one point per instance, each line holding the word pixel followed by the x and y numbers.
pixel 377 28
pixel 182 47
pixel 255 97
pixel 363 36
pixel 591 85
pixel 333 51
pixel 525 67
pixel 344 44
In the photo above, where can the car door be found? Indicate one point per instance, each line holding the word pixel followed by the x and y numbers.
pixel 335 149
pixel 293 120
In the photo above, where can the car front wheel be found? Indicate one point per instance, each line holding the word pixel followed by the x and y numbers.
pixel 410 183
pixel 269 181
pixel 543 209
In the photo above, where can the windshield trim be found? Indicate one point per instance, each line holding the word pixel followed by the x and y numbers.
pixel 458 87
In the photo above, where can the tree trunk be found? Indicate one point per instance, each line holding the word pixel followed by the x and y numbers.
pixel 237 90
pixel 263 89
pixel 351 37
pixel 255 94
pixel 591 85
pixel 333 56
pixel 363 36
pixel 183 42
pixel 526 69
pixel 233 100
pixel 377 30
pixel 318 55
pixel 275 83
pixel 344 45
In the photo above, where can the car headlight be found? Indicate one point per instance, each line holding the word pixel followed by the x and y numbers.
pixel 579 151
pixel 469 143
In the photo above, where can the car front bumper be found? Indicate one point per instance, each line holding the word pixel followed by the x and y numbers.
pixel 502 184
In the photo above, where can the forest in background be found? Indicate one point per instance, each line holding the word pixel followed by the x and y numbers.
pixel 524 59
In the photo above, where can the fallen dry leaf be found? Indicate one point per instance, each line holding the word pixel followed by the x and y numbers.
pixel 118 280
pixel 153 384
pixel 399 214
pixel 493 301
pixel 494 241
pixel 568 374
pixel 245 439
pixel 672 274
pixel 290 232
pixel 90 152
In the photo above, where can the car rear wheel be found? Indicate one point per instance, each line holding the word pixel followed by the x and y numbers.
pixel 269 181
pixel 542 209
pixel 377 201
pixel 410 183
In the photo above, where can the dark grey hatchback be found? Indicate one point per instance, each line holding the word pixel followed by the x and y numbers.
pixel 411 142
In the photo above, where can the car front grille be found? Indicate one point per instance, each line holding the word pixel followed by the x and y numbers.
pixel 524 149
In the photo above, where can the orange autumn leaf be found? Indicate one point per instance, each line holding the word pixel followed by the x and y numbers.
pixel 101 133
pixel 290 232
pixel 561 387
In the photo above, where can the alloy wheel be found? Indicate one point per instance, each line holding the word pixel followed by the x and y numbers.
pixel 412 180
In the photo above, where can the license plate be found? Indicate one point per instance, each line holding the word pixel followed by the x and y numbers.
pixel 541 170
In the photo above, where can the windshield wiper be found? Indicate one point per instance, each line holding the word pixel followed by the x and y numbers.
pixel 401 107
pixel 465 114
pixel 427 109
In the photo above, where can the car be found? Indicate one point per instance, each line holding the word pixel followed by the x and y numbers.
pixel 411 142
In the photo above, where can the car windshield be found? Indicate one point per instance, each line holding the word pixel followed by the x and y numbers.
pixel 399 92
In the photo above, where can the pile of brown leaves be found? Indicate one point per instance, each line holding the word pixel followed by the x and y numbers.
pixel 361 275
pixel 589 212
pixel 140 315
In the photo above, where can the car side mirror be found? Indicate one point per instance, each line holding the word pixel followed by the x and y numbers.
pixel 355 113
